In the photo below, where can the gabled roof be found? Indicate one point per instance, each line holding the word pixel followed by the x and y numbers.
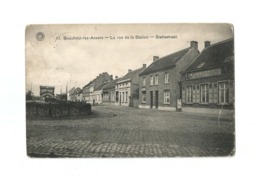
pixel 165 62
pixel 111 84
pixel 100 87
pixel 214 56
pixel 130 75
pixel 78 90
pixel 91 82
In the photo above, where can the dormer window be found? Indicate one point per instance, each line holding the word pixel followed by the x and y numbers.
pixel 201 65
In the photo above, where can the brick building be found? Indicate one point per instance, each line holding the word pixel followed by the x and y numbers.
pixel 208 83
pixel 159 88
pixel 127 88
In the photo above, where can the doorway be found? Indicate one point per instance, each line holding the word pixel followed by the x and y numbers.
pixel 156 99
pixel 151 99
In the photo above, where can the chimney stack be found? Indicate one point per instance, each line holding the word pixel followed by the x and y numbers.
pixel 194 44
pixel 129 70
pixel 111 76
pixel 144 66
pixel 207 44
pixel 116 77
pixel 155 58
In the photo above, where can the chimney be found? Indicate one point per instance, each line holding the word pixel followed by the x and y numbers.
pixel 207 44
pixel 155 58
pixel 194 44
pixel 116 77
pixel 144 66
pixel 111 76
pixel 129 70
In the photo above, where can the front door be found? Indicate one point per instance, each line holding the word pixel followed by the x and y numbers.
pixel 156 99
pixel 151 99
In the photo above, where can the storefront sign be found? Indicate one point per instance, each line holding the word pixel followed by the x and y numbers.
pixel 203 74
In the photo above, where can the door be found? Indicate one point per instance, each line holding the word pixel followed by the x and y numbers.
pixel 151 99
pixel 156 99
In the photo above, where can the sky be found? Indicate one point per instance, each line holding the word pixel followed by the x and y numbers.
pixel 56 61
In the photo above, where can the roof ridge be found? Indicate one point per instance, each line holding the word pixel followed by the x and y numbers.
pixel 171 54
pixel 205 49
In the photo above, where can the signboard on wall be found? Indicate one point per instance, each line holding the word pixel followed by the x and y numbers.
pixel 203 74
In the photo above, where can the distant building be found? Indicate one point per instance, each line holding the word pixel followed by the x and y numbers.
pixel 208 83
pixel 88 90
pixel 109 93
pixel 127 88
pixel 159 87
pixel 70 93
pixel 47 92
pixel 97 94
pixel 62 96
pixel 75 94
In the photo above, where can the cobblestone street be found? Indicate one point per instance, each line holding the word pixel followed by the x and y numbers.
pixel 112 131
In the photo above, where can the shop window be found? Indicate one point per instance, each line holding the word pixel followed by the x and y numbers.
pixel 223 92
pixel 189 94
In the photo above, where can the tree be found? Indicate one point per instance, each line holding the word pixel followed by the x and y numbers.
pixel 29 95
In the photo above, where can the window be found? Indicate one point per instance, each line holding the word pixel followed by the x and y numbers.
pixel 126 96
pixel 223 92
pixel 204 95
pixel 189 94
pixel 167 97
pixel 143 96
pixel 144 81
pixel 151 80
pixel 156 79
pixel 166 77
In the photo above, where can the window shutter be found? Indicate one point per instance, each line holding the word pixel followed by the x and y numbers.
pixel 215 88
pixel 231 92
pixel 211 93
pixel 193 94
pixel 183 95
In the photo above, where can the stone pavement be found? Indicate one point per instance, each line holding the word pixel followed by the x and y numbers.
pixel 128 132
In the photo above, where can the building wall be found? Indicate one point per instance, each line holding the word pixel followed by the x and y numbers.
pixel 97 96
pixel 213 92
pixel 161 88
pixel 122 88
pixel 172 87
pixel 108 97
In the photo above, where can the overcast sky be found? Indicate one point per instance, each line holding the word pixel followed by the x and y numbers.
pixel 57 63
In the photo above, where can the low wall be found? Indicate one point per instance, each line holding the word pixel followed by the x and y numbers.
pixel 56 110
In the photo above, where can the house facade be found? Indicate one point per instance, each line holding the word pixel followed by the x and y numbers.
pixel 159 87
pixel 127 88
pixel 88 90
pixel 109 93
pixel 97 95
pixel 208 83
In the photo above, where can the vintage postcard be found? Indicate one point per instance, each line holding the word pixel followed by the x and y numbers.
pixel 130 90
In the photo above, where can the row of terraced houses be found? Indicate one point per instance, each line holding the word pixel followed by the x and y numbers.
pixel 187 79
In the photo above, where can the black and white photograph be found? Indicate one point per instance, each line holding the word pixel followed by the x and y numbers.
pixel 130 90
